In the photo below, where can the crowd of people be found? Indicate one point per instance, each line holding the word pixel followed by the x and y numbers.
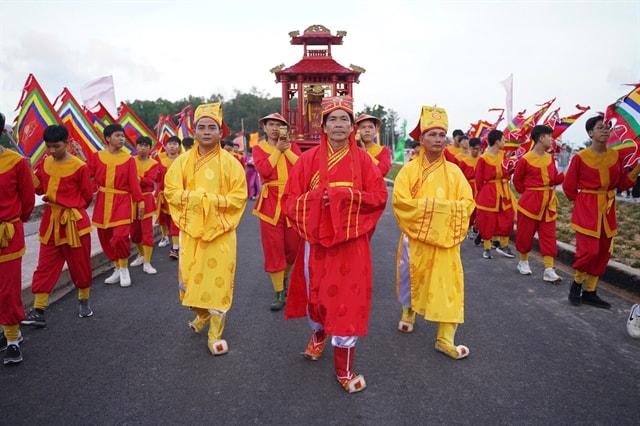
pixel 317 211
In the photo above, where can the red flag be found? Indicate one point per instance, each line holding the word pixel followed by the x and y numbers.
pixel 624 118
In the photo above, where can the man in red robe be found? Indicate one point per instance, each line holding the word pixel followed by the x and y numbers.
pixel 593 177
pixel 273 160
pixel 17 199
pixel 118 203
pixel 65 228
pixel 368 129
pixel 334 197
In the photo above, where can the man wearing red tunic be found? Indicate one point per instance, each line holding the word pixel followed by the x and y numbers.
pixel 65 228
pixel 593 177
pixel 273 160
pixel 494 208
pixel 16 204
pixel 368 128
pixel 467 164
pixel 535 178
pixel 142 230
pixel 334 197
pixel 118 202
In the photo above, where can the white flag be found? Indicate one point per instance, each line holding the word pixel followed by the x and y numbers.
pixel 100 90
pixel 508 87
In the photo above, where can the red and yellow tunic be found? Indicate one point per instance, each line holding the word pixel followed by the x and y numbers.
pixel 381 157
pixel 66 188
pixel 17 199
pixel 468 164
pixel 119 191
pixel 149 175
pixel 535 178
pixel 274 167
pixel 492 181
pixel 339 262
pixel 591 183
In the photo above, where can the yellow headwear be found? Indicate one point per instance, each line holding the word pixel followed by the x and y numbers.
pixel 214 111
pixel 431 117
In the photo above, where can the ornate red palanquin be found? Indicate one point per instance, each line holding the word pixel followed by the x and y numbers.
pixel 315 76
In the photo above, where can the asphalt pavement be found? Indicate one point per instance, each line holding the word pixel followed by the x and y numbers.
pixel 534 359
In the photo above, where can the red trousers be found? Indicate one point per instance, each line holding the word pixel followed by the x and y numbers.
pixel 51 260
pixel 494 224
pixel 592 254
pixel 527 227
pixel 11 309
pixel 115 242
pixel 142 231
pixel 164 219
pixel 279 245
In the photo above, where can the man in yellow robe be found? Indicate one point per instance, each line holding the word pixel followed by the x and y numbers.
pixel 432 202
pixel 207 192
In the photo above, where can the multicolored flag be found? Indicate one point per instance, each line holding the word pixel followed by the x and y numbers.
pixel 76 122
pixel 36 113
pixel 134 127
pixel 239 140
pixel 185 123
pixel 165 128
pixel 623 117
pixel 398 156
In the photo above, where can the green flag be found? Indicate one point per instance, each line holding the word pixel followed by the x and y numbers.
pixel 398 156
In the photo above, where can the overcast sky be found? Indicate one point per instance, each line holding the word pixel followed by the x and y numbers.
pixel 450 53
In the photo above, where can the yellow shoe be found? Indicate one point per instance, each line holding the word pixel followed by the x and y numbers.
pixel 455 352
pixel 219 347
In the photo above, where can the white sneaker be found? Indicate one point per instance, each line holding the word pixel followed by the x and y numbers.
pixel 523 267
pixel 633 323
pixel 125 278
pixel 114 278
pixel 149 269
pixel 551 276
pixel 164 241
pixel 139 260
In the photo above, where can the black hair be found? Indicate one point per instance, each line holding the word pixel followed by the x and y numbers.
pixel 143 140
pixel 2 121
pixel 540 130
pixel 173 139
pixel 187 142
pixel 494 136
pixel 591 123
pixel 111 129
pixel 463 137
pixel 473 142
pixel 457 132
pixel 55 133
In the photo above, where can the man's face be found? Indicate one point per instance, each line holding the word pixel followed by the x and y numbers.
pixel 600 132
pixel 272 129
pixel 228 148
pixel 367 130
pixel 433 141
pixel 56 149
pixel 464 142
pixel 116 139
pixel 207 132
pixel 475 151
pixel 143 150
pixel 338 127
pixel 172 148
pixel 546 141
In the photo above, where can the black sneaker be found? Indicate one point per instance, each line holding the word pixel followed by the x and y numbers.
pixel 591 298
pixel 477 241
pixel 3 341
pixel 487 254
pixel 13 355
pixel 84 310
pixel 495 244
pixel 35 317
pixel 505 251
pixel 574 294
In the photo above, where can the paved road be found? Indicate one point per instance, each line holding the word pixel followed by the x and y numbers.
pixel 534 358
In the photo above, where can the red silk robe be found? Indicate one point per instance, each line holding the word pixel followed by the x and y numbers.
pixel 381 157
pixel 339 263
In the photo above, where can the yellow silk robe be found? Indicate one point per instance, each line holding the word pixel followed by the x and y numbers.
pixel 207 196
pixel 432 203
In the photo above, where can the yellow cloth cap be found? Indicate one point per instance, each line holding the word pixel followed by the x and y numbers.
pixel 431 117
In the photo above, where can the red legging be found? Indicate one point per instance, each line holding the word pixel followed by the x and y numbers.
pixel 115 242
pixel 527 227
pixel 51 259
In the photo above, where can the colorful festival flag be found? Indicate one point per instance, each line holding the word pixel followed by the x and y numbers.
pixel 185 123
pixel 165 128
pixel 36 113
pixel 623 116
pixel 134 127
pixel 80 128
